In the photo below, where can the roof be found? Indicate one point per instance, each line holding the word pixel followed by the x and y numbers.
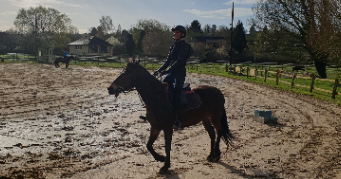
pixel 82 41
pixel 92 40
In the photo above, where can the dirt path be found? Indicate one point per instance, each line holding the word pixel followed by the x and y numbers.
pixel 61 123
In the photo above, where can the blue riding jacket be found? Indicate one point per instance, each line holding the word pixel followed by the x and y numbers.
pixel 177 58
pixel 176 73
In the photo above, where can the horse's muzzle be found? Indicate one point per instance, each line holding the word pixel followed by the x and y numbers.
pixel 111 91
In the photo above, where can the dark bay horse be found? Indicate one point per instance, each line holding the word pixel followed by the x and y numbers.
pixel 160 114
pixel 65 60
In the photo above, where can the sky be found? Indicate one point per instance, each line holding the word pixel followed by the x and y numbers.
pixel 85 14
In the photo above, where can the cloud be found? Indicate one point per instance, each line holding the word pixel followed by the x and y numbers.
pixel 8 13
pixel 242 2
pixel 220 13
pixel 34 3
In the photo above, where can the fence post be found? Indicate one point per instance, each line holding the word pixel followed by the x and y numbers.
pixel 312 83
pixel 247 72
pixel 197 67
pixel 256 74
pixel 292 81
pixel 277 76
pixel 334 88
pixel 266 74
pixel 226 68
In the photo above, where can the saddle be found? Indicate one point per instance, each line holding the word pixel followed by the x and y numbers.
pixel 189 98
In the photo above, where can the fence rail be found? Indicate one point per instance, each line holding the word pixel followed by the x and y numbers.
pixel 264 74
pixel 241 70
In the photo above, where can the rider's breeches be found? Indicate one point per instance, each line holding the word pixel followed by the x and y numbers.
pixel 175 83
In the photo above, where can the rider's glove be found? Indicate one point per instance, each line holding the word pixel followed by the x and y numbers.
pixel 164 73
pixel 156 73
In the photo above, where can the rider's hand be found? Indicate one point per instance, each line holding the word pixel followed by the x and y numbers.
pixel 164 73
pixel 156 73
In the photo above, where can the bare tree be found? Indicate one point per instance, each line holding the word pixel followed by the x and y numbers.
pixel 106 24
pixel 157 42
pixel 41 24
pixel 314 23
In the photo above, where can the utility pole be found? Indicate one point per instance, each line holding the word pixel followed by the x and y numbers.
pixel 232 17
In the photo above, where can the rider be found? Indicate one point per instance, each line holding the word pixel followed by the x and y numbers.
pixel 176 73
pixel 65 54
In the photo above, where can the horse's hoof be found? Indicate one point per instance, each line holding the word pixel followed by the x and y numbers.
pixel 163 170
pixel 213 159
pixel 210 158
pixel 216 159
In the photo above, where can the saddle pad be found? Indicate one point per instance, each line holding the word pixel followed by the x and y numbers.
pixel 193 101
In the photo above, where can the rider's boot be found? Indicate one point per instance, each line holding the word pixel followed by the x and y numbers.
pixel 177 123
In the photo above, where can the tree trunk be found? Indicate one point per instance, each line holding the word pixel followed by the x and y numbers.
pixel 320 65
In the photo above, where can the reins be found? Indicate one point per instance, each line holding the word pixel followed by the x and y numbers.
pixel 135 89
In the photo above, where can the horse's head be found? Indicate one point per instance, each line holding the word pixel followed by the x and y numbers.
pixel 125 81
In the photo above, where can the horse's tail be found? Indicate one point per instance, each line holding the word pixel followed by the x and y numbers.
pixel 53 61
pixel 226 133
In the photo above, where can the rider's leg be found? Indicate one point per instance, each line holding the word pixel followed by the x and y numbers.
pixel 170 80
pixel 178 84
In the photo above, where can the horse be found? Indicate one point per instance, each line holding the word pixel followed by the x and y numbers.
pixel 161 115
pixel 296 68
pixel 65 60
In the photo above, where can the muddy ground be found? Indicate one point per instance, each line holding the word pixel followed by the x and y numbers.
pixel 61 123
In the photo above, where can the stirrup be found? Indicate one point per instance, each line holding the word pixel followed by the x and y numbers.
pixel 177 125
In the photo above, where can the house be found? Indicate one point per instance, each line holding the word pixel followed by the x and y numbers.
pixel 206 42
pixel 203 43
pixel 90 45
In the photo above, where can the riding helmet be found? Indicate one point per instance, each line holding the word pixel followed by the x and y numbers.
pixel 180 28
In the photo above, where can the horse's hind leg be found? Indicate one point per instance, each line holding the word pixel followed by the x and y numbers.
pixel 209 128
pixel 221 125
pixel 67 64
pixel 154 133
pixel 168 132
pixel 216 121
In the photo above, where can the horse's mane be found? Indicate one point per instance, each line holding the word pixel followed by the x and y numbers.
pixel 143 72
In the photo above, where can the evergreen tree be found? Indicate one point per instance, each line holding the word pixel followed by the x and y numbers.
pixel 239 39
pixel 213 30
pixel 207 30
pixel 196 27
pixel 128 42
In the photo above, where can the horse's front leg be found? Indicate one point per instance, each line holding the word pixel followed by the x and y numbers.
pixel 168 133
pixel 154 133
pixel 66 65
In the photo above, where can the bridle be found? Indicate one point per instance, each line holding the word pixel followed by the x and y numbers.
pixel 121 88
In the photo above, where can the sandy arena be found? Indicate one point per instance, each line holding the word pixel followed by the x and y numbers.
pixel 61 123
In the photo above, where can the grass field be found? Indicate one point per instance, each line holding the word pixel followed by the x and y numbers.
pixel 220 70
